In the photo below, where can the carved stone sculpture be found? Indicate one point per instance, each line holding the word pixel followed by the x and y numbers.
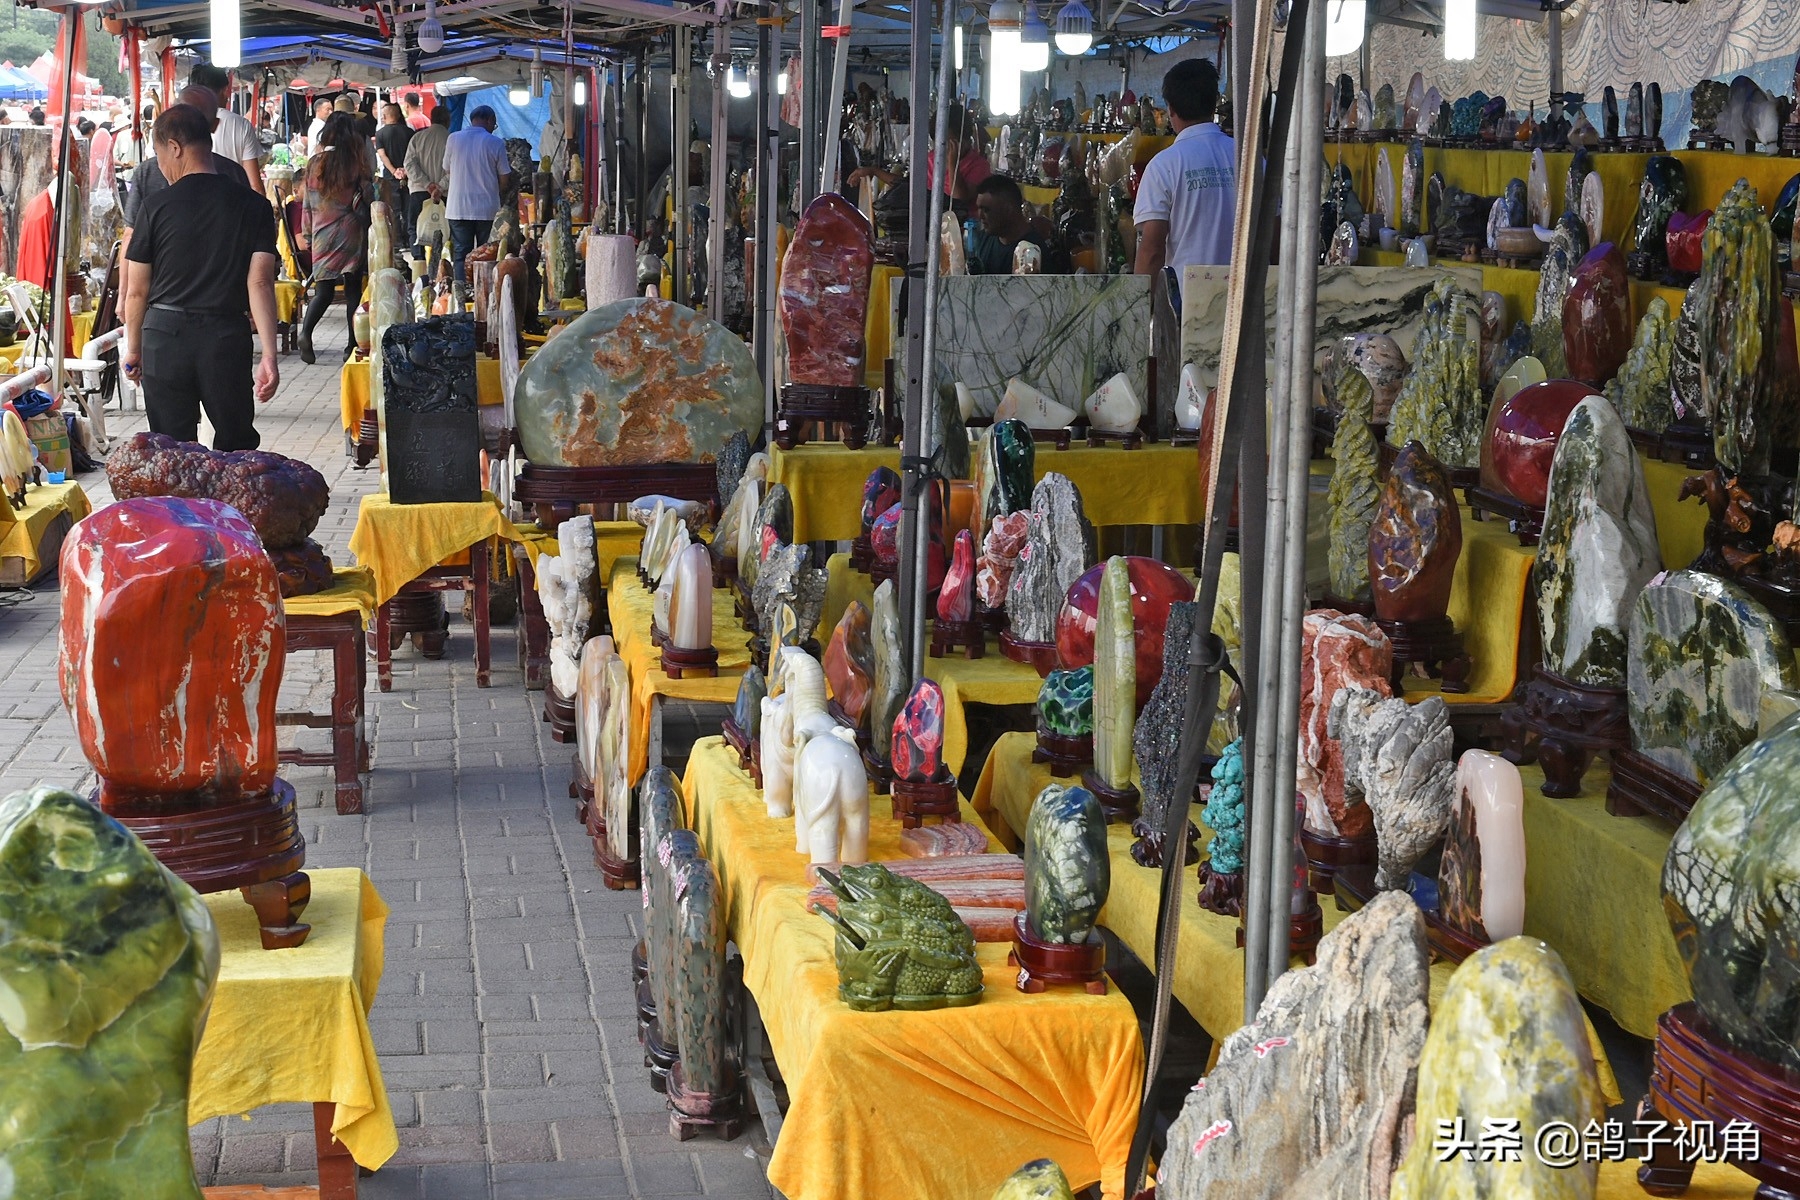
pixel 899 944
pixel 1338 650
pixel 1662 194
pixel 1397 756
pixel 1440 404
pixel 1481 877
pixel 1313 1097
pixel 614 783
pixel 1068 873
pixel 1057 550
pixel 110 962
pixel 831 798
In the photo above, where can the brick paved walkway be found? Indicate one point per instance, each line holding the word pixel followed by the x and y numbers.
pixel 505 1020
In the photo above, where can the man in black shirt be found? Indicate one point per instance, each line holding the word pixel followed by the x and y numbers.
pixel 390 147
pixel 147 180
pixel 205 254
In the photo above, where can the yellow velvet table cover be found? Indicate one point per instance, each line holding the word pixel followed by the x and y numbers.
pixel 631 607
pixel 353 388
pixel 936 1105
pixel 352 590
pixel 292 1026
pixel 400 542
pixel 1156 485
pixel 22 530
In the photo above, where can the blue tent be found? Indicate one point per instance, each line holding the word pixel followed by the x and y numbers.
pixel 16 84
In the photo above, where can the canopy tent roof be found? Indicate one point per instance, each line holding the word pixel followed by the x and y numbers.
pixel 17 84
pixel 44 67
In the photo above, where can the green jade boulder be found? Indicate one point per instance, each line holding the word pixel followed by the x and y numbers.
pixel 107 965
pixel 1640 391
pixel 899 944
pixel 1735 321
pixel 1066 702
pixel 1068 872
pixel 1039 1179
pixel 1355 488
pixel 1440 404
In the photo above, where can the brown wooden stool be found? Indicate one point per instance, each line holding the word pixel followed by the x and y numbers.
pixel 342 635
pixel 393 621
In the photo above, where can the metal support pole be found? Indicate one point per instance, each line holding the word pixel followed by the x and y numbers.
pixel 682 120
pixel 921 244
pixel 1362 54
pixel 1554 40
pixel 721 129
pixel 834 99
pixel 1297 311
pixel 768 206
pixel 59 282
pixel 640 215
pixel 615 85
pixel 810 83
pixel 1243 62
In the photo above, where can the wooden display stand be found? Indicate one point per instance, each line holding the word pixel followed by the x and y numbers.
pixel 1147 851
pixel 1130 439
pixel 1688 443
pixel 1642 787
pixel 1562 725
pixel 837 713
pixel 1056 439
pixel 1065 754
pixel 724 568
pixel 967 636
pixel 914 801
pixel 1696 1077
pixel 1040 656
pixel 1326 856
pixel 1119 805
pixel 659 1056
pixel 1042 963
pixel 556 492
pixel 559 714
pixel 1304 931
pixel 739 741
pixel 1221 893
pixel 646 1002
pixel 1448 943
pixel 879 770
pixel 418 609
pixel 684 664
pixel 342 635
pixel 368 438
pixel 862 553
pixel 1525 520
pixel 850 408
pixel 534 629
pixel 690 1112
pixel 254 845
pixel 617 874
pixel 1435 645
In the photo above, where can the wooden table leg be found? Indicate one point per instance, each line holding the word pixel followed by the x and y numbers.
pixel 384 648
pixel 362 705
pixel 478 568
pixel 337 1170
pixel 346 722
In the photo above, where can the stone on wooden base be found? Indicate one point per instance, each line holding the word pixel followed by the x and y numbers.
pixel 1561 725
pixel 1131 439
pixel 967 636
pixel 660 1056
pixel 914 801
pixel 685 664
pixel 1434 645
pixel 1220 892
pixel 738 740
pixel 1447 942
pixel 994 620
pixel 1643 787
pixel 1057 439
pixel 1695 1077
pixel 554 493
pixel 878 769
pixel 742 605
pixel 1042 963
pixel 559 714
pixel 801 403
pixel 1689 443
pixel 1326 855
pixel 1119 804
pixel 1040 656
pixel 618 874
pixel 862 552
pixel 1708 141
pixel 1147 851
pixel 1066 753
pixel 1525 520
pixel 690 1112
pixel 1304 931
pixel 581 790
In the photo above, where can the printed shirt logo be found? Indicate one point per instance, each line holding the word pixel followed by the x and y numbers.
pixel 1199 179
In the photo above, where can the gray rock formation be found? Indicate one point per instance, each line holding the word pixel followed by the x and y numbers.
pixel 1398 756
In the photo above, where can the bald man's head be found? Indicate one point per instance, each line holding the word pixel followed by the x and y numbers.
pixel 201 97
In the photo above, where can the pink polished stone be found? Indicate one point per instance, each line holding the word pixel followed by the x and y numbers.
pixel 173 640
pixel 956 596
pixel 918 747
pixel 1596 316
pixel 999 556
pixel 1155 588
pixel 1521 438
pixel 770 539
pixel 1338 650
pixel 824 298
pixel 1684 237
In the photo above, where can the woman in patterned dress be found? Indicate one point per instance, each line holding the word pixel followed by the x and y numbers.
pixel 339 187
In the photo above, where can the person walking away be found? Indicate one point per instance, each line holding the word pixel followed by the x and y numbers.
pixel 475 161
pixel 233 136
pixel 322 110
pixel 1186 201
pixel 204 251
pixel 426 178
pixel 390 151
pixel 147 180
pixel 337 190
pixel 415 112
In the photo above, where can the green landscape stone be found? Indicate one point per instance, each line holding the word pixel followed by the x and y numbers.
pixel 1735 324
pixel 1355 488
pixel 1440 405
pixel 1068 872
pixel 1640 391
pixel 1115 676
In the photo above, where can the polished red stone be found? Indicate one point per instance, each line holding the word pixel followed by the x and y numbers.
pixel 1596 316
pixel 1337 650
pixel 1415 539
pixel 173 640
pixel 824 299
pixel 884 538
pixel 1521 438
pixel 1155 588
pixel 850 662
pixel 881 491
pixel 956 595
pixel 917 752
pixel 1684 237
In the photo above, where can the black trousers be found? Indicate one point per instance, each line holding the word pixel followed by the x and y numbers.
pixel 199 360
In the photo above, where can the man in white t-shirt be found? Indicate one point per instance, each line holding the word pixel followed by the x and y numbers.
pixel 475 163
pixel 234 136
pixel 1187 198
pixel 321 111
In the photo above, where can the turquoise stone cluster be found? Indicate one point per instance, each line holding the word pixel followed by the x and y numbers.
pixel 1066 702
pixel 1224 811
pixel 1440 405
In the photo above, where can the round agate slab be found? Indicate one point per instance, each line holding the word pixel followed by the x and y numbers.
pixel 637 381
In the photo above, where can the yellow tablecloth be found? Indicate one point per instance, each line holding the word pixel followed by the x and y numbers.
pixel 878 329
pixel 288 295
pixel 292 1025
pixel 1157 485
pixel 81 327
pixel 399 542
pixel 933 1105
pixel 1209 979
pixel 22 530
pixel 613 540
pixel 353 388
pixel 352 590
pixel 631 606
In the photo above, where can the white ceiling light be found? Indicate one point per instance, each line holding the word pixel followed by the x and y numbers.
pixel 227 45
pixel 781 84
pixel 959 45
pixel 537 70
pixel 580 88
pixel 519 93
pixel 1075 28
pixel 1004 21
pixel 1346 24
pixel 431 30
pixel 1459 30
pixel 1034 40
pixel 736 84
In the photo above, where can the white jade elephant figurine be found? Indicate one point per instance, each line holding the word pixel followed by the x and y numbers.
pixel 778 756
pixel 831 794
pixel 804 728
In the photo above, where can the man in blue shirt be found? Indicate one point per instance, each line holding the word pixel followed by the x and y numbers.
pixel 1187 199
